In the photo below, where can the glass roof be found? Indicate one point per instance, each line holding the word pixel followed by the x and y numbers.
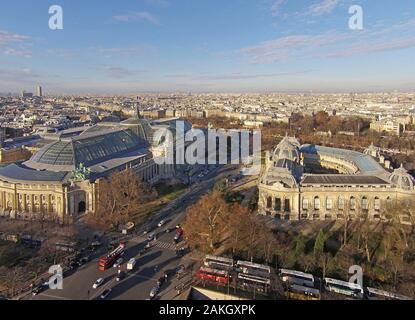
pixel 88 149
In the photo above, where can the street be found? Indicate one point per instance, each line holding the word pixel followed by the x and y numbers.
pixel 150 266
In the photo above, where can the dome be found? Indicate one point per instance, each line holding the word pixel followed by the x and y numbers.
pixel 288 148
pixel 402 179
pixel 88 148
pixel 56 153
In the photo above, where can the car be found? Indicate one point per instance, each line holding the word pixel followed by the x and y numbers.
pixel 161 223
pixel 96 244
pixel 154 291
pixel 83 261
pixel 168 230
pixel 39 289
pixel 151 236
pixel 98 283
pixel 161 281
pixel 147 230
pixel 178 236
pixel 106 293
pixel 120 276
pixel 118 263
pixel 142 251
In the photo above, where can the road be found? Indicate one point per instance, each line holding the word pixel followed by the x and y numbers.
pixel 139 282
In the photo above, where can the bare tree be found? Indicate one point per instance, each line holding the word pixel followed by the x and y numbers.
pixel 207 222
pixel 120 196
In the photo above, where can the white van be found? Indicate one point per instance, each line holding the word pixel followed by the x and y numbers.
pixel 131 263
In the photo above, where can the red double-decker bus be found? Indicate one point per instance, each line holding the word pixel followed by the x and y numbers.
pixel 108 260
pixel 214 275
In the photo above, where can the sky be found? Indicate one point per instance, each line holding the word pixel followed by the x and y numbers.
pixel 130 46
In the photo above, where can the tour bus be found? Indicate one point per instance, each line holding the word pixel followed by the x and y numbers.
pixel 259 283
pixel 342 287
pixel 253 269
pixel 376 294
pixel 297 277
pixel 218 263
pixel 107 261
pixel 298 292
pixel 214 275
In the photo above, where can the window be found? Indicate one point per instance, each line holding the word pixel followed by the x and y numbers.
pixel 377 204
pixel 316 203
pixel 365 204
pixel 352 203
pixel 287 206
pixel 277 204
pixel 341 203
pixel 329 203
pixel 305 204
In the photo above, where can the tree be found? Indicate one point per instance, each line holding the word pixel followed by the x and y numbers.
pixel 237 225
pixel 207 222
pixel 120 196
pixel 319 244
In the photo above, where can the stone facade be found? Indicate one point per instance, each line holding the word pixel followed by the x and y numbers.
pixel 359 189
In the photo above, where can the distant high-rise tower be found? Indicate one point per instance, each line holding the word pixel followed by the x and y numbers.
pixel 39 91
pixel 137 109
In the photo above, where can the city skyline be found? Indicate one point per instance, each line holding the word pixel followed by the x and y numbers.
pixel 237 46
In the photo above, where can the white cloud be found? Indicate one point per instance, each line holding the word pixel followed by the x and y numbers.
pixel 288 47
pixel 138 16
pixel 246 76
pixel 142 50
pixel 158 3
pixel 323 7
pixel 333 44
pixel 119 72
pixel 374 46
pixel 13 44
pixel 275 8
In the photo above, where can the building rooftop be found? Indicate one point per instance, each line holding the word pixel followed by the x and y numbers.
pixel 365 163
pixel 89 148
pixel 337 179
pixel 18 173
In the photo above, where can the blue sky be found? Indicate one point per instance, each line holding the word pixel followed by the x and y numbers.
pixel 129 46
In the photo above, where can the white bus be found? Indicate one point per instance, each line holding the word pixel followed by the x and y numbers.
pixel 342 287
pixel 218 263
pixel 253 269
pixel 248 281
pixel 377 294
pixel 297 277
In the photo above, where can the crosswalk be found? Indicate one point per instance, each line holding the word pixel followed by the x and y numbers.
pixel 165 245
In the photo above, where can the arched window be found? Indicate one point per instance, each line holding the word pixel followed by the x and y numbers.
pixel 376 204
pixel 287 205
pixel 316 203
pixel 365 204
pixel 329 203
pixel 352 203
pixel 341 203
pixel 305 204
pixel 277 204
